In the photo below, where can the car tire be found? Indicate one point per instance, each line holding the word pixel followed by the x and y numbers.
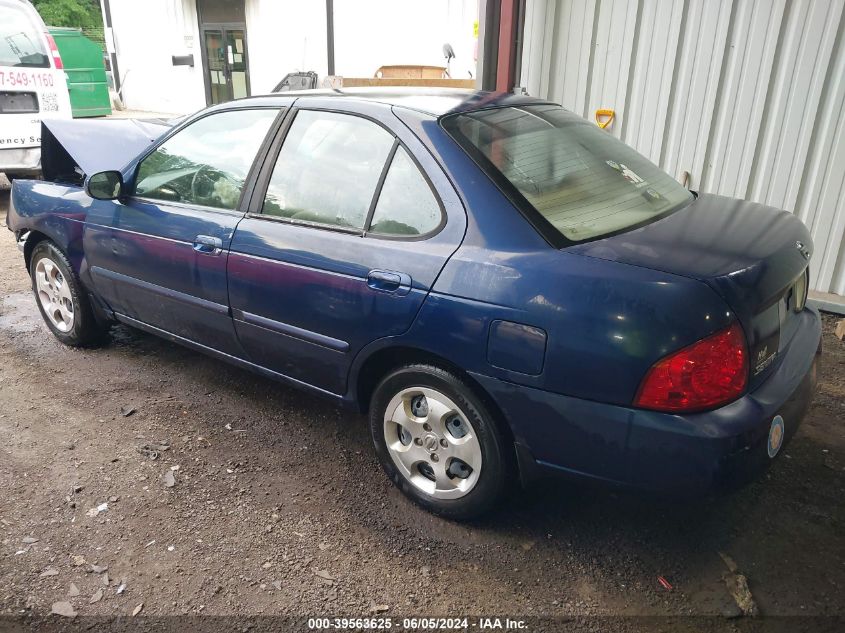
pixel 447 455
pixel 61 299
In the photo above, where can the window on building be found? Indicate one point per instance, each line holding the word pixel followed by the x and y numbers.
pixel 219 11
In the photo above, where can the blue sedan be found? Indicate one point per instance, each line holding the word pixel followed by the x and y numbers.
pixel 507 290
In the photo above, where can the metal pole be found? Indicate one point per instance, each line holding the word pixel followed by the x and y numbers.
pixel 507 47
pixel 488 55
pixel 518 42
pixel 113 56
pixel 330 35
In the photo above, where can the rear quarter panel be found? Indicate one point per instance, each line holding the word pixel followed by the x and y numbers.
pixel 606 323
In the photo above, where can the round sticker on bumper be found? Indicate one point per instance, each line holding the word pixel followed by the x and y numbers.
pixel 776 433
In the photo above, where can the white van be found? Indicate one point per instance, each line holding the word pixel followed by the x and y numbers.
pixel 33 87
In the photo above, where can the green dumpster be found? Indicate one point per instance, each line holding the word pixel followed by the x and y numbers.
pixel 83 62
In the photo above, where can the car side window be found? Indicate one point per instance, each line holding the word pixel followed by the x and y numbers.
pixel 328 169
pixel 406 204
pixel 207 162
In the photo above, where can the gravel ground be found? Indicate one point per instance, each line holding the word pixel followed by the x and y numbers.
pixel 279 506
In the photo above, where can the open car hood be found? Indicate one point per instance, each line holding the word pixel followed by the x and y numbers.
pixel 74 149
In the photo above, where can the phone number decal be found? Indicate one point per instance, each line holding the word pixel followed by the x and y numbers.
pixel 21 79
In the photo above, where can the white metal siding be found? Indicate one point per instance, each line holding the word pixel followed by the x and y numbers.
pixel 747 96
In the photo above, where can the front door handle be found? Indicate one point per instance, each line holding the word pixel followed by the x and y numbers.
pixel 389 281
pixel 208 245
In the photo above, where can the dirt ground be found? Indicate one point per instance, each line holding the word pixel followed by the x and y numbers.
pixel 279 506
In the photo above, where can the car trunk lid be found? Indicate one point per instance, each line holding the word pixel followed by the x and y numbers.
pixel 751 254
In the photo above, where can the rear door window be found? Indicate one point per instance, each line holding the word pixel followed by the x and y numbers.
pixel 21 39
pixel 328 169
pixel 406 204
pixel 207 162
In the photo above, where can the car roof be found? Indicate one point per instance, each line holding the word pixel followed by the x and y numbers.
pixel 434 101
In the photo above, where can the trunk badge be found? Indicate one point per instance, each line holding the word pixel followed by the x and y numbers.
pixel 804 251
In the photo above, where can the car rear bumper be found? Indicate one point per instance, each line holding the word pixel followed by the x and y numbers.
pixel 20 160
pixel 667 453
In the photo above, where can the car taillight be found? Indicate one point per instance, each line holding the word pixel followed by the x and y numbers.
pixel 54 51
pixel 704 375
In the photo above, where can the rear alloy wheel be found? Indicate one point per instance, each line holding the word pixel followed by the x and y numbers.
pixel 437 442
pixel 432 443
pixel 61 298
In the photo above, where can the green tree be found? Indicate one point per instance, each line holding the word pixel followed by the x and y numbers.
pixel 77 13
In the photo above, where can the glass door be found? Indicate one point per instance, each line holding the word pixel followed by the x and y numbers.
pixel 216 56
pixel 228 73
pixel 236 59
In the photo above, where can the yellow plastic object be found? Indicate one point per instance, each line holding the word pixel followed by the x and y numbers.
pixel 604 113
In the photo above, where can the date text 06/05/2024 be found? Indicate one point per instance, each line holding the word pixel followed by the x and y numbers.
pixel 418 624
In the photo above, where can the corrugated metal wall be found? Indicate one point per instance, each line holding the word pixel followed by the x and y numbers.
pixel 748 96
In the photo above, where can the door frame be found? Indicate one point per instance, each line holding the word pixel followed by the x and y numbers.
pixel 222 27
pixel 318 341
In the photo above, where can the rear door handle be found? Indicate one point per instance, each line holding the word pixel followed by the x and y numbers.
pixel 388 281
pixel 208 245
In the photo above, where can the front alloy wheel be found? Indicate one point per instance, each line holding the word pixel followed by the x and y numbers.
pixel 61 298
pixel 54 294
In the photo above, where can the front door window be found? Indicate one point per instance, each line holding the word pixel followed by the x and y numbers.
pixel 205 163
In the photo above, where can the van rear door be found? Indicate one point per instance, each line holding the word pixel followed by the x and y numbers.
pixel 32 86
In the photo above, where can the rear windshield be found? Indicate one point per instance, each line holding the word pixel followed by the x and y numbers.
pixel 21 40
pixel 580 179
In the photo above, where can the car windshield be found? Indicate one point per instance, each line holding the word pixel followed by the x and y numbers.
pixel 21 42
pixel 582 180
